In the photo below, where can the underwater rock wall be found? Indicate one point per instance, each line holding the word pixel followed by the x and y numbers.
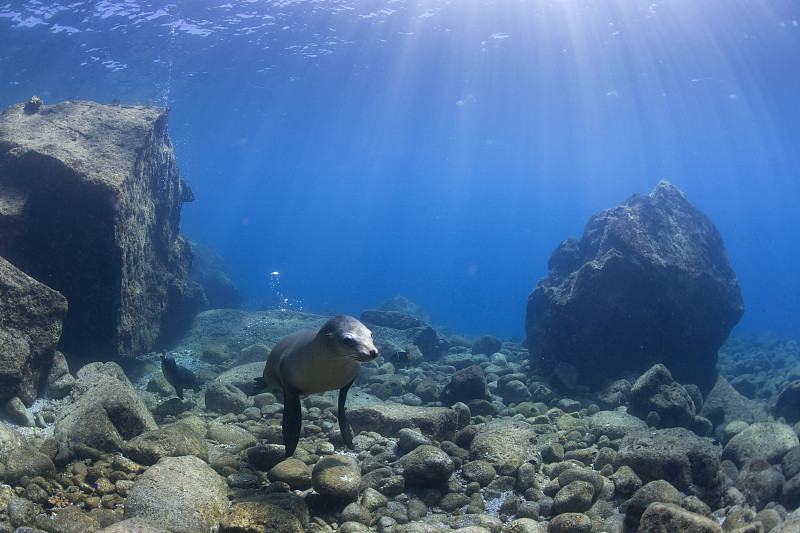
pixel 90 200
pixel 649 282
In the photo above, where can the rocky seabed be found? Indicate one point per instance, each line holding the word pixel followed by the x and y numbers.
pixel 473 442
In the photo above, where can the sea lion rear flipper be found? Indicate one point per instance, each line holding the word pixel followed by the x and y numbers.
pixel 291 421
pixel 258 386
pixel 344 427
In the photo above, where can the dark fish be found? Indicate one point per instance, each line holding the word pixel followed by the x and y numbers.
pixel 401 358
pixel 179 376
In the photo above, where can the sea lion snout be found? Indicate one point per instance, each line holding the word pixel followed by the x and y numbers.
pixel 369 354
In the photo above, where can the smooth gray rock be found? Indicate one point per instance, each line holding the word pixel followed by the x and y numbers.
pixel 18 413
pixel 226 398
pixel 574 497
pixel 104 410
pixel 760 483
pixel 465 385
pixel 570 523
pixel 615 424
pixel 338 476
pixel 671 518
pixel 134 525
pixel 388 418
pixel 506 444
pixel 173 440
pixel 292 471
pixel 182 494
pixel 763 440
pixel 426 466
pixel 246 517
pixel 486 345
pixel 655 491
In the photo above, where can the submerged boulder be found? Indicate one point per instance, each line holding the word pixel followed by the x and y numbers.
pixel 649 282
pixel 31 316
pixel 104 410
pixel 90 200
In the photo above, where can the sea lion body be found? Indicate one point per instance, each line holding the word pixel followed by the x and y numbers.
pixel 313 361
pixel 179 376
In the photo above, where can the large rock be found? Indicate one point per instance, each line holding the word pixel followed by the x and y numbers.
pixel 426 466
pixel 174 440
pixel 31 316
pixel 656 392
pixel 669 517
pixel 91 199
pixel 211 272
pixel 724 405
pixel 465 385
pixel 505 444
pixel 655 262
pixel 104 410
pixel 768 441
pixel 181 494
pixel 10 440
pixel 388 418
pixel 338 476
pixel 676 455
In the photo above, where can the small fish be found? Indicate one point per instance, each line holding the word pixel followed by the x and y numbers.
pixel 401 358
pixel 179 376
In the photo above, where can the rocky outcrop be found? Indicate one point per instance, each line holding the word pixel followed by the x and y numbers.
pixel 649 282
pixel 90 200
pixel 211 272
pixel 31 316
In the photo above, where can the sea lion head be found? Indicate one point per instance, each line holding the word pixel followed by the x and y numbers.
pixel 168 362
pixel 351 338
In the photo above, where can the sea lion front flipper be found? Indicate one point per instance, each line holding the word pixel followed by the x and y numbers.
pixel 292 421
pixel 179 392
pixel 344 427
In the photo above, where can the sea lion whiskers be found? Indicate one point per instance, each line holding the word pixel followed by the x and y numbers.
pixel 362 357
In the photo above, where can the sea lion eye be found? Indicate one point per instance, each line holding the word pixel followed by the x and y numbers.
pixel 348 341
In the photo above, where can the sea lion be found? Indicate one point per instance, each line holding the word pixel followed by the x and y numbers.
pixel 315 361
pixel 178 376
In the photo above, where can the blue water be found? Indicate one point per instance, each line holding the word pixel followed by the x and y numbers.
pixel 442 149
